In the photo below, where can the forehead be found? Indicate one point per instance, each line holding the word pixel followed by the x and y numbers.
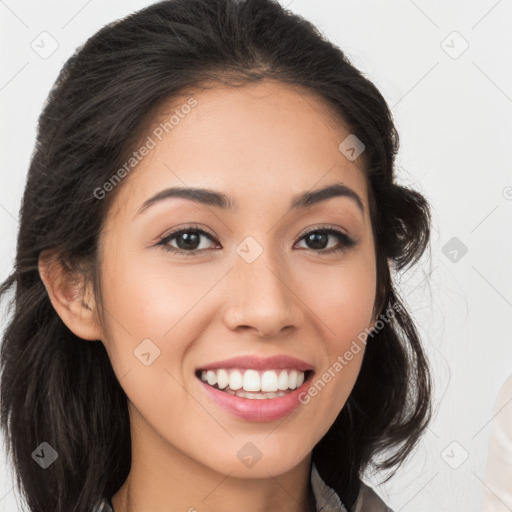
pixel 267 140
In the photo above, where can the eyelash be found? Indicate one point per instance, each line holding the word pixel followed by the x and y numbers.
pixel 345 241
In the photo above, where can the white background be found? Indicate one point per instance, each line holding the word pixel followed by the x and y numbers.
pixel 454 117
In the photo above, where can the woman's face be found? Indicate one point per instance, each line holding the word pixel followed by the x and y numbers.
pixel 255 287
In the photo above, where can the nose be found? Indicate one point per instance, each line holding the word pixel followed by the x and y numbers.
pixel 262 297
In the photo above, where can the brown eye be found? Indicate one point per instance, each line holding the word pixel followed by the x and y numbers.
pixel 318 240
pixel 187 241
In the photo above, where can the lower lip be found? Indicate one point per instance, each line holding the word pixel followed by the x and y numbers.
pixel 254 409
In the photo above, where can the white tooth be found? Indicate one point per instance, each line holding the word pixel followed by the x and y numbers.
pixel 251 380
pixel 251 396
pixel 222 378
pixel 269 381
pixel 235 380
pixel 211 377
pixel 255 396
pixel 283 381
pixel 292 379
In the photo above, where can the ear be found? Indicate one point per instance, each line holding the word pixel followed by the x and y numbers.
pixel 71 298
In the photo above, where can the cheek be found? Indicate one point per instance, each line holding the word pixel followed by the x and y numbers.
pixel 152 301
pixel 146 313
pixel 342 299
pixel 149 300
pixel 138 308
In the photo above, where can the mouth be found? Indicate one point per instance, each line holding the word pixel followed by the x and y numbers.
pixel 255 384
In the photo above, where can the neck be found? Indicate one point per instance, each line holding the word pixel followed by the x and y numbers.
pixel 163 478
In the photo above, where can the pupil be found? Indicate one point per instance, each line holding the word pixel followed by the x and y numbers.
pixel 315 238
pixel 191 241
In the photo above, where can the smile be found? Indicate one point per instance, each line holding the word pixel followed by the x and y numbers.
pixel 254 384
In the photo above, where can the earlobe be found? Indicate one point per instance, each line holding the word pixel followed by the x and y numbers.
pixel 71 298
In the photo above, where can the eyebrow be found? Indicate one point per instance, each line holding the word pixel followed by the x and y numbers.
pixel 219 200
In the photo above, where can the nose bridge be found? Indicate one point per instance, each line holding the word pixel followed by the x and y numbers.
pixel 260 294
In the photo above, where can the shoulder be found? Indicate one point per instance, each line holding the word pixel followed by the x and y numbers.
pixel 369 501
pixel 500 439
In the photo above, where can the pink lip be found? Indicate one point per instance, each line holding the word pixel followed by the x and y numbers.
pixel 260 363
pixel 268 409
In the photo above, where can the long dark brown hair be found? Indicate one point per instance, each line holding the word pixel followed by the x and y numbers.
pixel 58 389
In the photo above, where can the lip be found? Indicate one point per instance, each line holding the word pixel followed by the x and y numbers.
pixel 256 410
pixel 279 362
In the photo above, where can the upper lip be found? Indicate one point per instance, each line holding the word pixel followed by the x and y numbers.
pixel 260 363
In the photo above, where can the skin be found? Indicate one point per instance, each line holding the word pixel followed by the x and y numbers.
pixel 263 145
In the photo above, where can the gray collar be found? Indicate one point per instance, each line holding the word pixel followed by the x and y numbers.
pixel 327 500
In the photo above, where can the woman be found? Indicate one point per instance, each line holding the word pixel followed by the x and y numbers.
pixel 204 316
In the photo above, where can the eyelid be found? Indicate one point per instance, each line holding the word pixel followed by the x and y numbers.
pixel 188 227
pixel 323 227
